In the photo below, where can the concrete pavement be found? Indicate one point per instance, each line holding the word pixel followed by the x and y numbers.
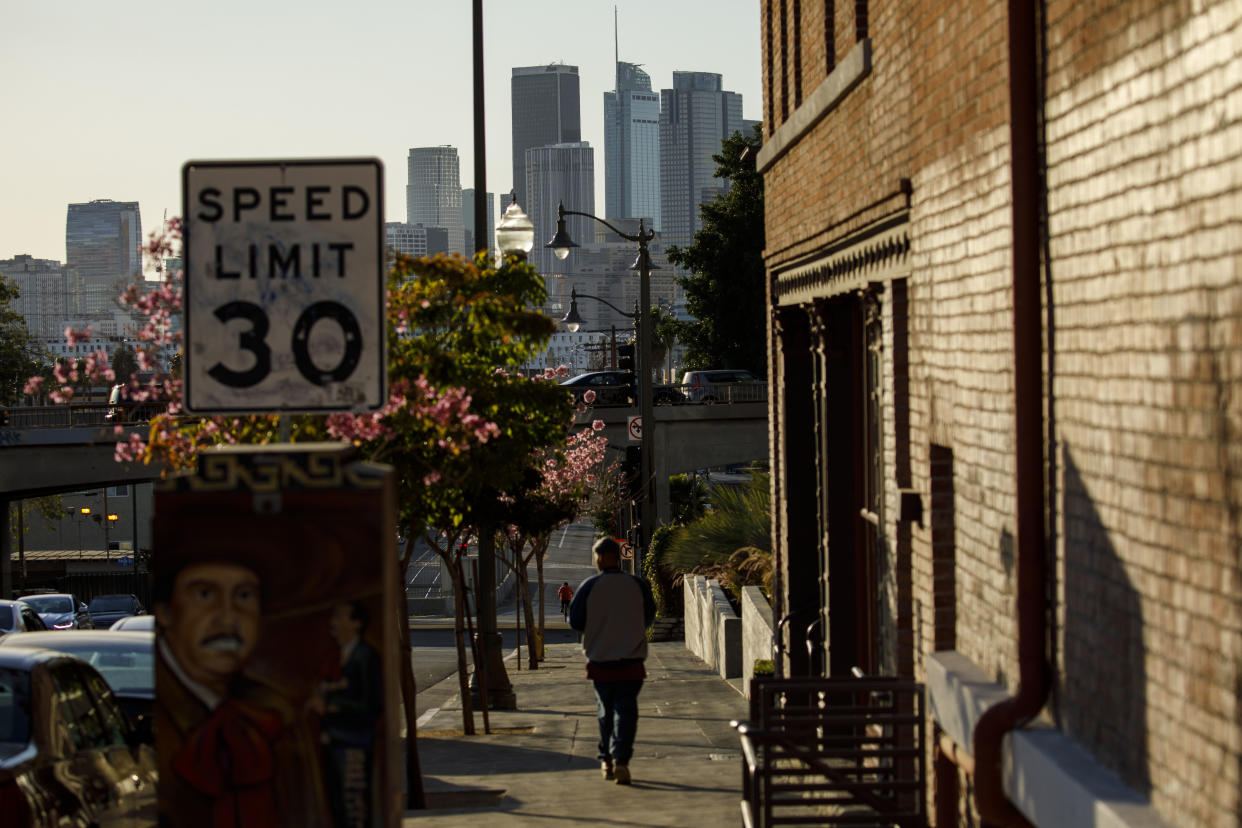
pixel 538 766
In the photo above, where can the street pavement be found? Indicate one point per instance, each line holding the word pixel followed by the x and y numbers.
pixel 538 765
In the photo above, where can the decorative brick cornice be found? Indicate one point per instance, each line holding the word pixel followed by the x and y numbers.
pixel 876 253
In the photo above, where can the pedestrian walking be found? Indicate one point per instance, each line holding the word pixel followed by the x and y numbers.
pixel 612 610
pixel 565 593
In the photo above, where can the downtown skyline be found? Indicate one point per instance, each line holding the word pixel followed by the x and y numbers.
pixel 126 146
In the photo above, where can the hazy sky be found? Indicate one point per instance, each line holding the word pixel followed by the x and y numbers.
pixel 108 100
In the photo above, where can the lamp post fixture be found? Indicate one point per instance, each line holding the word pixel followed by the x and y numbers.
pixel 561 244
pixel 515 236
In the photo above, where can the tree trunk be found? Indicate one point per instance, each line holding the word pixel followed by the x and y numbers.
pixel 459 637
pixel 531 631
pixel 540 550
pixel 414 796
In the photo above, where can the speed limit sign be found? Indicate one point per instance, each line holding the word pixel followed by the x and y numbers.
pixel 284 286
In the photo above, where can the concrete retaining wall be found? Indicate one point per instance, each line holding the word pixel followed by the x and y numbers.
pixel 713 629
pixel 756 632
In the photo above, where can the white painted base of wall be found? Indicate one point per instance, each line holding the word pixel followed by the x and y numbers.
pixel 1051 779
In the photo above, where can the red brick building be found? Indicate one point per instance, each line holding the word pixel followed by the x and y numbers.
pixel 1004 246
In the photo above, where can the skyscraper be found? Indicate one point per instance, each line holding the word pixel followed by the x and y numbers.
pixel 695 116
pixel 102 243
pixel 433 192
pixel 47 294
pixel 555 174
pixel 632 147
pixel 546 111
pixel 410 239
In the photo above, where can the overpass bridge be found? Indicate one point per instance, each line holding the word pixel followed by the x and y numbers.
pixel 70 448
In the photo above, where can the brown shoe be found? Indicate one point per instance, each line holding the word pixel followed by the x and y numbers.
pixel 623 774
pixel 605 770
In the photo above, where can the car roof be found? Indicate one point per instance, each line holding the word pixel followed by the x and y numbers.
pixel 45 595
pixel 594 374
pixel 50 638
pixel 25 658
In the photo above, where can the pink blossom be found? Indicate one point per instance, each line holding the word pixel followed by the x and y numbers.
pixel 597 425
pixel 589 396
pixel 73 337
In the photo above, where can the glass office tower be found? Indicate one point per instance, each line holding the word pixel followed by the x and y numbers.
pixel 632 147
pixel 433 192
pixel 103 240
pixel 546 111
pixel 696 115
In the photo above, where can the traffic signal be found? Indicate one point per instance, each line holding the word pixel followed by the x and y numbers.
pixel 625 357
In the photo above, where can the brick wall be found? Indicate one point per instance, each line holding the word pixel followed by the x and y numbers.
pixel 1145 168
pixel 1144 356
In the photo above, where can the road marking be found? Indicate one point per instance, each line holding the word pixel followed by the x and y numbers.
pixel 428 716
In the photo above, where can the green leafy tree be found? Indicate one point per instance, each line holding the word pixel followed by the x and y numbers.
pixel 21 357
pixel 725 289
pixel 124 362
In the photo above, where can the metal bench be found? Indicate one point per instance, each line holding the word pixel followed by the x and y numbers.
pixel 834 752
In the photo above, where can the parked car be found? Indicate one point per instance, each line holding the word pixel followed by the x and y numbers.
pixel 722 384
pixel 60 611
pixel 107 609
pixel 618 388
pixel 68 755
pixel 18 616
pixel 126 660
pixel 610 387
pixel 135 622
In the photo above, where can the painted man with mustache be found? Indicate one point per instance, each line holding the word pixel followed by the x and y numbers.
pixel 231 752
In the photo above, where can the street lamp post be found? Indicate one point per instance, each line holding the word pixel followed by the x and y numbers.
pixel 561 244
pixel 515 235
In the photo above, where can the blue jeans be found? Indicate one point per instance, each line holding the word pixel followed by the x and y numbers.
pixel 616 705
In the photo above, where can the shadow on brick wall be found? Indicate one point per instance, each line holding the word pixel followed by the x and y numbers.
pixel 1102 687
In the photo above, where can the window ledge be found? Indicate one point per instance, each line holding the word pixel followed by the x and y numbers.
pixel 1051 779
pixel 843 78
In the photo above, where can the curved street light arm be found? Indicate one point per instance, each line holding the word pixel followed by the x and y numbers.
pixel 574 295
pixel 643 236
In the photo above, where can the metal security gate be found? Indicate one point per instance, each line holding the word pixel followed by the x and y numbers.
pixel 834 752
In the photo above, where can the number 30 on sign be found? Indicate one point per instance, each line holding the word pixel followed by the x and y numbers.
pixel 284 286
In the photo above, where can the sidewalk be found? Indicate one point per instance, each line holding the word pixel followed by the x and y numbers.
pixel 538 766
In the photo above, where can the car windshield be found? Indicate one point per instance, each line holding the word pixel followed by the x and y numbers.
pixel 127 666
pixel 50 603
pixel 111 603
pixel 14 706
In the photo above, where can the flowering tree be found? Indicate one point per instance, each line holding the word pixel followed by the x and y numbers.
pixel 561 485
pixel 457 428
